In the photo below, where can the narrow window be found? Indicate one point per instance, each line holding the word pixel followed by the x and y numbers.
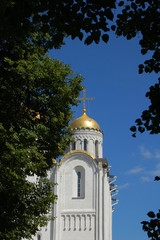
pixel 96 149
pixel 73 146
pixel 78 184
pixel 85 144
pixel 38 237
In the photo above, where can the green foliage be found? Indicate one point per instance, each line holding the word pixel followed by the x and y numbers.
pixel 142 18
pixel 54 20
pixel 152 227
pixel 157 178
pixel 47 23
pixel 36 95
pixel 150 119
pixel 24 205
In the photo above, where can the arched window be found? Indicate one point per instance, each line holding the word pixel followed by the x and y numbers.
pixel 38 237
pixel 85 144
pixel 73 145
pixel 78 182
pixel 96 149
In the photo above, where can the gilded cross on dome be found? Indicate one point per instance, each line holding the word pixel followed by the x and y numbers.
pixel 84 98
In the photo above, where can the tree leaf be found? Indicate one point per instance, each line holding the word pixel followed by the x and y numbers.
pixel 113 27
pixel 105 38
pixel 109 14
pixel 151 214
pixel 89 40
pixel 133 129
pixel 157 178
pixel 120 4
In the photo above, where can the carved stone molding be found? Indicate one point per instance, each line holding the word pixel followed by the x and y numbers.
pixel 88 138
pixel 78 222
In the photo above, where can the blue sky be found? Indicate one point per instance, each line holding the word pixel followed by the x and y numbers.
pixel 111 76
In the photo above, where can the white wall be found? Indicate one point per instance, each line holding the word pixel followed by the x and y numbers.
pixel 87 217
pixel 91 136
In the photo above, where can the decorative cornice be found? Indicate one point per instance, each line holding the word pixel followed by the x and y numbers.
pixel 88 137
pixel 98 130
pixel 87 130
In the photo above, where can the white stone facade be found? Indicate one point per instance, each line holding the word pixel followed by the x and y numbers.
pixel 94 141
pixel 84 206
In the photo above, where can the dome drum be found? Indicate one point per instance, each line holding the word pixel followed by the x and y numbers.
pixel 88 140
pixel 87 135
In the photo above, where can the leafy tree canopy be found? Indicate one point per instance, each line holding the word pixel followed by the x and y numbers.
pixel 143 18
pixel 47 23
pixel 36 95
pixel 152 227
pixel 54 20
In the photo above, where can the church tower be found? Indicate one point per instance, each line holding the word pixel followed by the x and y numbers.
pixel 85 189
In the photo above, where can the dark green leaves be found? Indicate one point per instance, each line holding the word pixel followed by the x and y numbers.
pixel 142 18
pixel 152 227
pixel 150 118
pixel 141 68
pixel 151 214
pixel 120 4
pixel 133 129
pixel 141 129
pixel 144 51
pixel 58 19
pixel 113 27
pixel 105 38
pixel 109 14
pixel 89 40
pixel 157 178
pixel 134 5
pixel 36 95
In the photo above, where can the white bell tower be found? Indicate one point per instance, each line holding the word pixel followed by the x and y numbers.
pixel 85 189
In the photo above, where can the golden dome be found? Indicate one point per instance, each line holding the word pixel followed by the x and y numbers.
pixel 85 122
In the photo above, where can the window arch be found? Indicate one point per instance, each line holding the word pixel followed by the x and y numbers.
pixel 96 149
pixel 85 144
pixel 74 146
pixel 39 237
pixel 78 182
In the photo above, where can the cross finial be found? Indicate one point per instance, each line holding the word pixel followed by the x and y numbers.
pixel 84 100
